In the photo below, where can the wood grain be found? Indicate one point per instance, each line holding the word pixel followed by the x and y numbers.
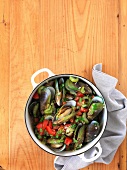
pixel 66 37
pixel 4 83
pixel 122 25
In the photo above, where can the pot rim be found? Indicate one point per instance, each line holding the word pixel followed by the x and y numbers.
pixel 79 150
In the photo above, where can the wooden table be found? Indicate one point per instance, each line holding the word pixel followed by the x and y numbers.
pixel 67 37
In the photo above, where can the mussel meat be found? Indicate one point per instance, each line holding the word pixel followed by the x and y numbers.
pixel 79 136
pixel 45 98
pixel 56 144
pixel 65 113
pixel 94 110
pixel 71 87
pixel 58 95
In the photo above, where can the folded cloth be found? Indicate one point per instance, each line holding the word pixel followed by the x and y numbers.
pixel 115 131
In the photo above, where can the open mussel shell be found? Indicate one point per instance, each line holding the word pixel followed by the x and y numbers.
pixel 87 89
pixel 65 113
pixel 49 117
pixel 52 90
pixel 61 81
pixel 71 87
pixel 58 147
pixel 94 110
pixel 69 96
pixel 79 135
pixel 71 103
pixel 45 98
pixel 92 131
pixel 33 108
pixel 58 95
pixel 97 99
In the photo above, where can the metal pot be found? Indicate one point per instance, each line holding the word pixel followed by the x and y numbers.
pixel 80 152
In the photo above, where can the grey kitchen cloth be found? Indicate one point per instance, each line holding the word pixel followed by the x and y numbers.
pixel 115 131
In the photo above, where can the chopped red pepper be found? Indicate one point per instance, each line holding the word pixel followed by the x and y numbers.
pixel 56 127
pixel 79 104
pixel 45 124
pixel 77 99
pixel 51 131
pixel 39 125
pixel 61 127
pixel 41 133
pixel 79 113
pixel 68 141
pixel 36 96
pixel 72 120
pixel 79 94
pixel 83 109
pixel 50 124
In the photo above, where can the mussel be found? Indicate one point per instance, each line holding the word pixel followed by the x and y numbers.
pixel 46 97
pixel 69 96
pixel 97 99
pixel 56 144
pixel 87 89
pixel 92 131
pixel 79 135
pixel 71 87
pixel 94 110
pixel 58 95
pixel 52 90
pixel 33 108
pixel 65 113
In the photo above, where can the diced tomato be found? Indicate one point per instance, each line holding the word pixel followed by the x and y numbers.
pixel 76 99
pixel 39 125
pixel 72 120
pixel 66 126
pixel 83 109
pixel 45 124
pixel 79 113
pixel 61 127
pixel 79 94
pixel 56 127
pixel 92 96
pixel 83 102
pixel 50 124
pixel 63 103
pixel 68 141
pixel 51 131
pixel 36 96
pixel 41 133
pixel 79 104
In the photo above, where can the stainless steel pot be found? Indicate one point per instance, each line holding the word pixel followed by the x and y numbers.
pixel 95 143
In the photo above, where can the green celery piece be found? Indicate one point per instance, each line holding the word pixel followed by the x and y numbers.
pixel 74 79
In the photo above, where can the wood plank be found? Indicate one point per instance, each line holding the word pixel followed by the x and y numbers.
pixel 24 57
pixel 4 83
pixel 122 69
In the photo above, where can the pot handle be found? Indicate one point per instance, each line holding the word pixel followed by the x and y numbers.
pixel 95 155
pixel 50 73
